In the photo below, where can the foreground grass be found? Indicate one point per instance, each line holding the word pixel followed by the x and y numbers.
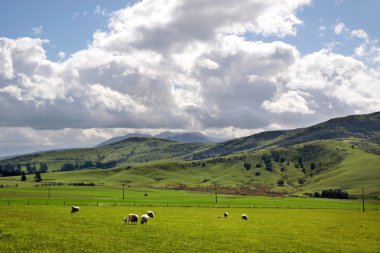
pixel 180 229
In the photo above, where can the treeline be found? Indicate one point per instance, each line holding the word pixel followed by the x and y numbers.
pixel 7 170
pixel 331 194
pixel 88 165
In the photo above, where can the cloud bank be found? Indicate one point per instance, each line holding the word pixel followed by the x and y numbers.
pixel 184 65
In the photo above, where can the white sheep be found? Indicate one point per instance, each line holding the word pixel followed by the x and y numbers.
pixel 244 217
pixel 150 214
pixel 75 209
pixel 132 218
pixel 144 218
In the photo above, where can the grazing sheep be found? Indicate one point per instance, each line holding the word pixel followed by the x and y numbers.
pixel 144 218
pixel 150 214
pixel 244 217
pixel 74 209
pixel 225 215
pixel 133 218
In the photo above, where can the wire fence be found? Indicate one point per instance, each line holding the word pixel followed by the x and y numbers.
pixel 42 202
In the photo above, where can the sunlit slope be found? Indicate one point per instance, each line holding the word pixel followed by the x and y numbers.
pixel 358 170
pixel 133 150
pixel 325 164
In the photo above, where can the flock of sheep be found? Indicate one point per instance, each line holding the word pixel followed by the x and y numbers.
pixel 243 216
pixel 134 218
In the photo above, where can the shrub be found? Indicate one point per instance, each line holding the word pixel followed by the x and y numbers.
pixel 247 166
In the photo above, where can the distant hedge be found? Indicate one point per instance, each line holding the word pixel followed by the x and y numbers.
pixel 332 194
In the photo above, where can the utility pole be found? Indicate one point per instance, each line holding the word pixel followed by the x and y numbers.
pixel 216 194
pixel 363 198
pixel 123 190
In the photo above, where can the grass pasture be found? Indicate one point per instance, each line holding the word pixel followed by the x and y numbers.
pixel 90 195
pixel 187 229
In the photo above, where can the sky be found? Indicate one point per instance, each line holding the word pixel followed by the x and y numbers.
pixel 75 73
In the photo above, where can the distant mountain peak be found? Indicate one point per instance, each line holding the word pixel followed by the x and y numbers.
pixel 181 137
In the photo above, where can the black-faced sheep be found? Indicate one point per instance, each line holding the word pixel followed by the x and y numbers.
pixel 144 218
pixel 225 215
pixel 74 209
pixel 150 214
pixel 132 218
pixel 244 217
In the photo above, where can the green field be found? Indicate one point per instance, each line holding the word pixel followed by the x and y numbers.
pixel 187 229
pixel 86 195
pixel 185 221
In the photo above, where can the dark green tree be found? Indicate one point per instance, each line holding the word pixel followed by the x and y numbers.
pixel 23 177
pixel 247 166
pixel 37 177
pixel 43 168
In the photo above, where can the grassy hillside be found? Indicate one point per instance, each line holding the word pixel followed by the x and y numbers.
pixel 308 167
pixel 340 153
pixel 364 127
pixel 133 150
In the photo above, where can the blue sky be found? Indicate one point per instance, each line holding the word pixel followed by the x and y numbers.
pixel 116 67
pixel 69 25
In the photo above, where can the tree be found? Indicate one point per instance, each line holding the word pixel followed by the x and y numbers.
pixel 23 177
pixel 267 162
pixel 300 161
pixel 43 168
pixel 37 177
pixel 31 169
pixel 247 166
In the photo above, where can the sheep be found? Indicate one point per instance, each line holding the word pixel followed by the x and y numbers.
pixel 225 215
pixel 150 214
pixel 244 217
pixel 132 218
pixel 74 209
pixel 144 218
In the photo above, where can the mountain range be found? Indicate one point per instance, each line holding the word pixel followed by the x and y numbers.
pixel 339 153
pixel 182 137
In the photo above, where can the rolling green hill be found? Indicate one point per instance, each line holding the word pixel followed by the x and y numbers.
pixel 340 153
pixel 365 127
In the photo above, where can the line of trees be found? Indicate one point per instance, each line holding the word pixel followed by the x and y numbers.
pixel 7 170
pixel 88 165
pixel 332 194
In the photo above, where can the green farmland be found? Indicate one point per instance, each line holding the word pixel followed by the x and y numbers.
pixel 87 195
pixel 38 228
pixel 185 221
